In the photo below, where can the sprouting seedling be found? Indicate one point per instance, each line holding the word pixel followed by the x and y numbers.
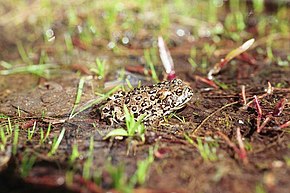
pixel 18 111
pixel 133 127
pixel 68 42
pixel 15 140
pixel 78 97
pixel 4 138
pixel 96 101
pixel 42 70
pixel 89 162
pixel 74 154
pixel 143 167
pixel 99 69
pixel 207 152
pixel 129 84
pixel 44 137
pixel 23 53
pixel 181 119
pixel 56 142
pixel 148 55
pixel 9 126
pixel 120 180
pixel 30 132
pixel 119 177
pixel 27 164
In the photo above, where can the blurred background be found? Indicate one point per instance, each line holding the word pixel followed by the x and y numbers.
pixel 66 33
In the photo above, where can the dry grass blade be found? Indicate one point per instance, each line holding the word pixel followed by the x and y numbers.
pixel 244 95
pixel 206 81
pixel 242 151
pixel 166 59
pixel 279 107
pixel 285 125
pixel 259 111
pixel 234 53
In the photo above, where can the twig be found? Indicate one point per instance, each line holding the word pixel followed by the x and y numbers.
pixel 279 107
pixel 259 111
pixel 206 81
pixel 207 118
pixel 242 151
pixel 228 141
pixel 287 124
pixel 270 89
pixel 264 123
pixel 244 95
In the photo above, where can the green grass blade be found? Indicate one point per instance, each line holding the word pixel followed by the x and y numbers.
pixel 116 132
pixel 78 97
pixel 57 143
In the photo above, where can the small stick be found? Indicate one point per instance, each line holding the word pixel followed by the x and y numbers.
pixel 207 118
pixel 206 81
pixel 259 111
pixel 270 89
pixel 264 123
pixel 279 107
pixel 287 124
pixel 239 152
pixel 242 151
pixel 244 95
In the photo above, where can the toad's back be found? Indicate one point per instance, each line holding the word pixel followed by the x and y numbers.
pixel 153 101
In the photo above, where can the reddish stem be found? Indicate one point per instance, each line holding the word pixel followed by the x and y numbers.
pixel 279 107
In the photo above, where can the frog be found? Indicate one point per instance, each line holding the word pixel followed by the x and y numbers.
pixel 152 102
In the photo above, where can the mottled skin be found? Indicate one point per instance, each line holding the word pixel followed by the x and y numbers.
pixel 153 101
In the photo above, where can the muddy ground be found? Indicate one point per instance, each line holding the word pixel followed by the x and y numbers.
pixel 218 148
pixel 178 165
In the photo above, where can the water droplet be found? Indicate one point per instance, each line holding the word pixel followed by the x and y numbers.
pixel 111 45
pixel 180 32
pixel 218 3
pixel 204 32
pixel 93 29
pixel 125 40
pixel 49 35
pixel 80 29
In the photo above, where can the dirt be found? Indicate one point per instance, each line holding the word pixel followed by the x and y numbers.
pixel 178 165
pixel 216 115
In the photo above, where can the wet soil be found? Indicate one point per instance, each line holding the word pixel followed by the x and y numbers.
pixel 178 166
pixel 239 158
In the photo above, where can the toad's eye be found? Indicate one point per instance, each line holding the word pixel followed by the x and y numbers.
pixel 179 92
